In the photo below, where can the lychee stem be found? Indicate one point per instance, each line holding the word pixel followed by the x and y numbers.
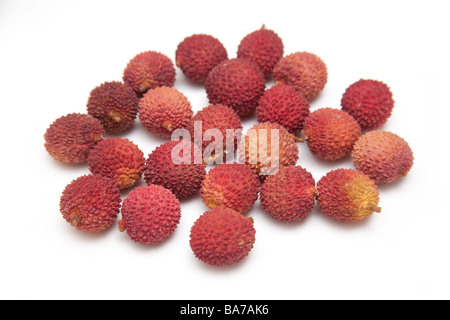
pixel 375 208
pixel 122 226
pixel 297 139
pixel 75 217
pixel 114 116
pixel 212 203
pixel 212 158
pixel 168 125
pixel 315 192
pixel 145 86
pixel 97 137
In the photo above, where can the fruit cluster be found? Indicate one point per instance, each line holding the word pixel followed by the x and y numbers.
pixel 235 87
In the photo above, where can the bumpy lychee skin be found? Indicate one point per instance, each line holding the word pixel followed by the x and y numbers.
pixel 163 110
pixel 383 156
pixel 264 47
pixel 331 133
pixel 222 236
pixel 230 185
pixel 255 149
pixel 304 71
pixel 289 195
pixel 149 70
pixel 150 214
pixel 370 102
pixel 70 138
pixel 90 203
pixel 282 104
pixel 119 159
pixel 216 117
pixel 236 83
pixel 114 104
pixel 182 174
pixel 196 55
pixel 347 195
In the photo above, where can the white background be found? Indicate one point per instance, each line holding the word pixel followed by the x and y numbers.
pixel 53 53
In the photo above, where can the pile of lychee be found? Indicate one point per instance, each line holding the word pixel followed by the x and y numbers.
pixel 235 88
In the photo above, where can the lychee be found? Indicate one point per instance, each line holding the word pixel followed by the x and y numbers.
pixel 230 185
pixel 162 110
pixel 347 195
pixel 370 102
pixel 282 104
pixel 90 203
pixel 263 47
pixel 150 214
pixel 149 69
pixel 266 147
pixel 70 138
pixel 304 71
pixel 177 166
pixel 119 159
pixel 236 83
pixel 196 55
pixel 222 236
pixel 218 118
pixel 331 133
pixel 114 104
pixel 383 156
pixel 289 195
